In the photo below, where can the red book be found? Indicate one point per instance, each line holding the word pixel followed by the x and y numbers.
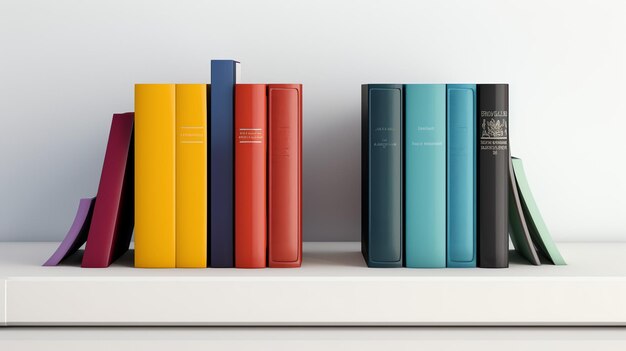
pixel 285 175
pixel 113 215
pixel 250 178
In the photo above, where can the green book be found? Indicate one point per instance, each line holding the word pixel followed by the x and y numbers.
pixel 536 226
pixel 518 229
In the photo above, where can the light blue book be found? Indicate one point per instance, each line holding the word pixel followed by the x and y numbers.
pixel 461 101
pixel 425 175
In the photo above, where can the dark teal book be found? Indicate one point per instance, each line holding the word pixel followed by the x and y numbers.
pixel 425 175
pixel 461 175
pixel 381 174
pixel 224 75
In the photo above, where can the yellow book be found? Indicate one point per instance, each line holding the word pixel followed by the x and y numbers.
pixel 191 175
pixel 155 175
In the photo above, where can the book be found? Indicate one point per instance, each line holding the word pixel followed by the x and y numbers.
pixel 425 175
pixel 461 175
pixel 155 175
pixel 381 174
pixel 493 175
pixel 113 218
pixel 518 229
pixel 284 175
pixel 537 227
pixel 224 76
pixel 77 235
pixel 250 175
pixel 191 175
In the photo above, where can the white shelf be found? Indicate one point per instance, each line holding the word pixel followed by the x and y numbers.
pixel 333 287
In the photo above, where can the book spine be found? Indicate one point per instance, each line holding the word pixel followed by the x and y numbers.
pixel 223 80
pixel 365 171
pixel 285 175
pixel 250 175
pixel 111 220
pixel 382 192
pixel 191 175
pixel 425 175
pixel 461 183
pixel 493 175
pixel 155 175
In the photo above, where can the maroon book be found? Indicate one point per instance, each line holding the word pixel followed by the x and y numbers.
pixel 113 215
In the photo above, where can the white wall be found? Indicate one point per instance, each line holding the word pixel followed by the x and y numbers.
pixel 66 66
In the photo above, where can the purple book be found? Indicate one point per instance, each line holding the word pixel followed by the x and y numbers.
pixel 77 235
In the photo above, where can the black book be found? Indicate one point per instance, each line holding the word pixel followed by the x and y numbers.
pixel 493 175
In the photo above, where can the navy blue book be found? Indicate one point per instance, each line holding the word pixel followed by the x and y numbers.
pixel 224 74
pixel 381 175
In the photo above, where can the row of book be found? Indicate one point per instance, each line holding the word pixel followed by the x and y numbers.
pixel 439 188
pixel 211 175
pixel 436 179
pixel 261 166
